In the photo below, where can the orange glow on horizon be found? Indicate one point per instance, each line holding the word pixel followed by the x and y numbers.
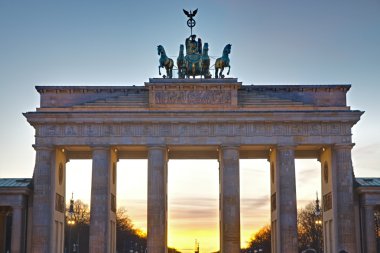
pixel 193 212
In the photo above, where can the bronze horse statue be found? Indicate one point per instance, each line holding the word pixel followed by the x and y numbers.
pixel 181 63
pixel 205 59
pixel 165 62
pixel 223 62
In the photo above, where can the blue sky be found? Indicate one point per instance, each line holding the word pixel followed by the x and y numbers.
pixel 114 43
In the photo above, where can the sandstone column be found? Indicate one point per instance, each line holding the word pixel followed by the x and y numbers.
pixel 43 205
pixel 18 233
pixel 103 201
pixel 3 222
pixel 157 199
pixel 369 234
pixel 343 198
pixel 229 199
pixel 283 200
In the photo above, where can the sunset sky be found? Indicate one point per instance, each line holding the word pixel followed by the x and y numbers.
pixel 93 42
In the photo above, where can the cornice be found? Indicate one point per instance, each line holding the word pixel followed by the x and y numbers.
pixel 87 89
pixel 193 116
pixel 298 88
pixel 112 89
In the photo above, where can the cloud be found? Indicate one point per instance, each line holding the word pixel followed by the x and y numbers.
pixel 206 210
pixel 261 203
pixel 193 209
pixel 369 149
pixel 306 175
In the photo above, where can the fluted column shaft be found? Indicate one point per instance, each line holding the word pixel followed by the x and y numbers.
pixel 369 229
pixel 18 233
pixel 343 198
pixel 157 199
pixel 286 200
pixel 229 199
pixel 43 206
pixel 102 217
pixel 3 222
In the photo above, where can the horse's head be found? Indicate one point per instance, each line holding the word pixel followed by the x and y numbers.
pixel 160 49
pixel 205 48
pixel 181 48
pixel 227 49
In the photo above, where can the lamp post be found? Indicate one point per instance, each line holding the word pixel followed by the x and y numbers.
pixel 318 223
pixel 71 219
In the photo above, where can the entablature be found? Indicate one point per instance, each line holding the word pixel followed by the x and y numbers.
pixel 193 95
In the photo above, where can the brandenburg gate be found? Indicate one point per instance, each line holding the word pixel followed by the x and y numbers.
pixel 194 119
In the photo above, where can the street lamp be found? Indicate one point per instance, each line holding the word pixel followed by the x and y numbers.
pixel 317 207
pixel 71 219
pixel 318 222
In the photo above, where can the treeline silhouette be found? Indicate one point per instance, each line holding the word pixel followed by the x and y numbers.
pixel 128 238
pixel 309 233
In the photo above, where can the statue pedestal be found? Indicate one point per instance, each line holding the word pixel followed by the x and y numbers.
pixel 193 94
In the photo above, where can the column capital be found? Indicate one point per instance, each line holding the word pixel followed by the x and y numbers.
pixel 368 206
pixel 39 147
pixel 5 211
pixel 343 146
pixel 290 146
pixel 17 207
pixel 157 146
pixel 229 146
pixel 100 147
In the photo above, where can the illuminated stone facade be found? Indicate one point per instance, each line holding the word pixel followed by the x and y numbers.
pixel 194 119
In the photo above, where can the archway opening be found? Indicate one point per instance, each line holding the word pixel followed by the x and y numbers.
pixel 193 205
pixel 308 183
pixel 78 188
pixel 254 197
pixel 132 205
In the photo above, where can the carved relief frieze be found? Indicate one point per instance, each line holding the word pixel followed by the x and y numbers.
pixel 92 130
pixel 195 129
pixel 215 97
pixel 203 130
pixel 127 130
pixel 183 130
pixel 165 130
pixel 315 129
pixel 240 129
pixel 298 129
pixel 280 129
pixel 72 130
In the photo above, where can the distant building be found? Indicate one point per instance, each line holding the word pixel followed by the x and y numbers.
pixel 15 204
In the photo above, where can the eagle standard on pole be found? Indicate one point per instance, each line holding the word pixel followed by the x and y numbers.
pixel 190 22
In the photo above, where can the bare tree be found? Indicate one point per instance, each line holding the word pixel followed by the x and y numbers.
pixel 309 232
pixel 261 240
pixel 309 229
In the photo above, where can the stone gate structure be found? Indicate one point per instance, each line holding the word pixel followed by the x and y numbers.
pixel 194 119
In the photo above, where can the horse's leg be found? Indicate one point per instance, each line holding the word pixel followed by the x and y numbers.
pixel 221 72
pixel 159 70
pixel 216 72
pixel 171 72
pixel 229 68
